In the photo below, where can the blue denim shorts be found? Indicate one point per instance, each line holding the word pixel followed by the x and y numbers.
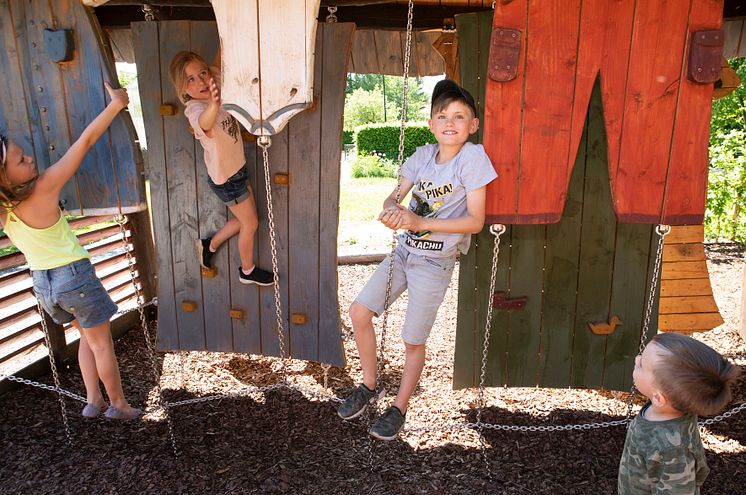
pixel 233 191
pixel 73 291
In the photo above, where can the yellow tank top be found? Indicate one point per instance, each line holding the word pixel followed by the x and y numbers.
pixel 45 248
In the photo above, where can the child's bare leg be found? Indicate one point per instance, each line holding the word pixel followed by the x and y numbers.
pixel 231 228
pixel 365 339
pixel 87 363
pixel 414 362
pixel 245 213
pixel 102 348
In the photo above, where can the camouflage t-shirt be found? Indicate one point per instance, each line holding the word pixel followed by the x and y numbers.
pixel 662 457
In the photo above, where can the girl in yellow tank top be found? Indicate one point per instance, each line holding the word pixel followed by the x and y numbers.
pixel 64 280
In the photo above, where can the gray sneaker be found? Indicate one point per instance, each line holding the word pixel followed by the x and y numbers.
pixel 357 402
pixel 388 426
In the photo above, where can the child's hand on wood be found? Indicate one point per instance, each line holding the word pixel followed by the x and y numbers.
pixel 118 96
pixel 214 92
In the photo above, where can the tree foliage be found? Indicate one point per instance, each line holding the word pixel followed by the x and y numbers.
pixel 726 191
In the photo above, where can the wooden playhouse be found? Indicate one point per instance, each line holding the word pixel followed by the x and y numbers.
pixel 588 114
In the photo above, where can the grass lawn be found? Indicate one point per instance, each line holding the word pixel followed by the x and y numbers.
pixel 360 202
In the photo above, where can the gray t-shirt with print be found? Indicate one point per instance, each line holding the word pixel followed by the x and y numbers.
pixel 439 191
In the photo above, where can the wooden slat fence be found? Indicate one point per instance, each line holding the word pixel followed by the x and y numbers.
pixel 21 336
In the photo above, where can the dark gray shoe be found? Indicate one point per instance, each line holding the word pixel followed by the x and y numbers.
pixel 357 402
pixel 388 426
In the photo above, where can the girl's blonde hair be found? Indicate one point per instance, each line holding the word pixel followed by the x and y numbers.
pixel 176 71
pixel 11 194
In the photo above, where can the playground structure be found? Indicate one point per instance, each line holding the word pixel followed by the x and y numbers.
pixel 233 326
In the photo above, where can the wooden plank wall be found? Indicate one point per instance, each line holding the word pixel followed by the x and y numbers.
pixel 45 105
pixel 376 51
pixel 657 121
pixel 585 268
pixel 687 304
pixel 305 212
pixel 735 38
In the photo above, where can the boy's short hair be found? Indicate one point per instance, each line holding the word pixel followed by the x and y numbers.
pixel 447 91
pixel 694 377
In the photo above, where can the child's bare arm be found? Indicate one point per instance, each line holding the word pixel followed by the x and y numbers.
pixel 55 177
pixel 208 117
pixel 471 223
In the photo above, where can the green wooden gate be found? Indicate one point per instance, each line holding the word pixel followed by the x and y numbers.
pixel 585 268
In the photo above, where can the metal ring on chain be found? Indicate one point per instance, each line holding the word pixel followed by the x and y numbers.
pixel 331 18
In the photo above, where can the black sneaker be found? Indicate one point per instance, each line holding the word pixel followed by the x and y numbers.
pixel 204 255
pixel 357 402
pixel 257 276
pixel 388 425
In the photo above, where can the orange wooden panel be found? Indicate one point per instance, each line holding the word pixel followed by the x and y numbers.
pixel 684 305
pixel 547 107
pixel 686 187
pixel 683 252
pixel 686 287
pixel 684 269
pixel 682 234
pixel 502 117
pixel 695 322
pixel 650 105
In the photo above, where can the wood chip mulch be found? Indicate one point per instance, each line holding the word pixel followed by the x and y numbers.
pixel 288 442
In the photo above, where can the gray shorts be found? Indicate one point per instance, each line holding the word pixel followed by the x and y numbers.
pixel 73 291
pixel 425 279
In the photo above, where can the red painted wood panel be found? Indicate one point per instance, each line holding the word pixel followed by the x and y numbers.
pixel 547 107
pixel 686 187
pixel 605 33
pixel 502 117
pixel 650 106
pixel 656 120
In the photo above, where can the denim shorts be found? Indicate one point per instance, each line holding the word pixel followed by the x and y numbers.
pixel 73 291
pixel 424 278
pixel 233 191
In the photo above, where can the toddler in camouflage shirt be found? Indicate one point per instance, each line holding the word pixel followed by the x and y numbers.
pixel 663 452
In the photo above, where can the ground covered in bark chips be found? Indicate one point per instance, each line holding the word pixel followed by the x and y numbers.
pixel 287 442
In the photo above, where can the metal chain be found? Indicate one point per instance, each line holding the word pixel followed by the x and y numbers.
pixel 662 231
pixel 332 14
pixel 496 230
pixel 147 10
pixel 55 375
pixel 724 416
pixel 264 143
pixel 121 220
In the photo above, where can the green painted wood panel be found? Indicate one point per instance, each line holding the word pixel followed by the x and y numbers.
pixel 561 264
pixel 584 268
pixel 596 269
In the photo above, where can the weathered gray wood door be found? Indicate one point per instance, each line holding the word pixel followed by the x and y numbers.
pixel 194 313
pixel 46 104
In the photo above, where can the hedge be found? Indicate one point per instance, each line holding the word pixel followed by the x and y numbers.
pixel 383 139
pixel 347 137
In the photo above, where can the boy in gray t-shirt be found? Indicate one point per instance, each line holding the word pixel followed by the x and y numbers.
pixel 448 183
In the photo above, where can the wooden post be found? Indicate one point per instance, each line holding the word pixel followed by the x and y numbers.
pixel 144 251
pixel 57 340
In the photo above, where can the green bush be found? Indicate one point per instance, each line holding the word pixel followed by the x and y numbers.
pixel 348 137
pixel 383 139
pixel 372 166
pixel 726 192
